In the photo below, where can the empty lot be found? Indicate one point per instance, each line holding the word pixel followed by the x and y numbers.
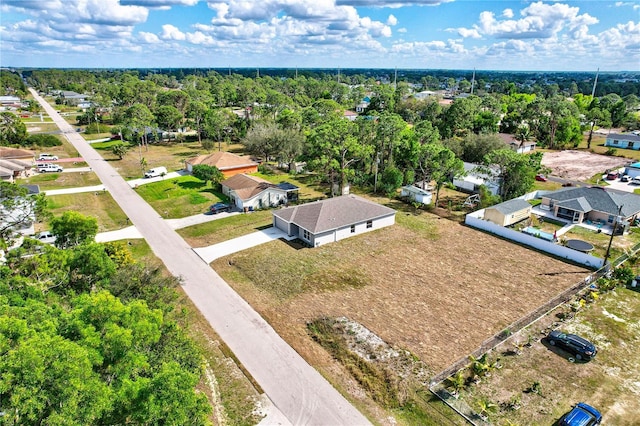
pixel 429 285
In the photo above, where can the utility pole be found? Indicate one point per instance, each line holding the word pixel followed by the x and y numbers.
pixel 615 227
pixel 595 82
pixel 473 80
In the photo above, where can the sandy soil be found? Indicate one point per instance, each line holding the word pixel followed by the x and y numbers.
pixel 580 165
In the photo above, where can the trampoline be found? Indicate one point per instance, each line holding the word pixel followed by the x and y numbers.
pixel 579 245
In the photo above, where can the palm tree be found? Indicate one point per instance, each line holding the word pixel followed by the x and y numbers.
pixel 486 407
pixel 457 382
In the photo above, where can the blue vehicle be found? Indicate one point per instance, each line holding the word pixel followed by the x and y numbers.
pixel 581 415
pixel 219 207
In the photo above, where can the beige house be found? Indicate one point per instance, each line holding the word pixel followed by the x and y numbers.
pixel 509 212
pixel 15 163
pixel 253 193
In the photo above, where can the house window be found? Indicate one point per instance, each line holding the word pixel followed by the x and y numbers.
pixel 353 229
pixel 630 145
pixel 306 235
pixel 369 224
pixel 615 141
pixel 610 219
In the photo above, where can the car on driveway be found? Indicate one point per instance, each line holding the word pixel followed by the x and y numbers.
pixel 579 348
pixel 47 157
pixel 541 178
pixel 612 175
pixel 49 167
pixel 219 207
pixel 625 178
pixel 581 415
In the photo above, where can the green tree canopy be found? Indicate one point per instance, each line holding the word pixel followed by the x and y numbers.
pixel 73 228
pixel 207 173
pixel 12 130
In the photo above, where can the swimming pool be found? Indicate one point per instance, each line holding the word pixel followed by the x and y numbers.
pixel 538 233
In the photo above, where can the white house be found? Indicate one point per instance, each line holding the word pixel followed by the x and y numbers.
pixel 253 193
pixel 333 219
pixel 475 176
pixel 623 140
pixel 416 194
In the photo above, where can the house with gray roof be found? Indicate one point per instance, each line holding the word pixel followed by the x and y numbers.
pixel 333 219
pixel 623 140
pixel 592 204
pixel 509 212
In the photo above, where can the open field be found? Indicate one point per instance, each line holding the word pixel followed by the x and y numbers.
pixel 579 165
pixel 101 206
pixel 609 382
pixel 48 181
pixel 428 285
pixel 220 230
pixel 179 197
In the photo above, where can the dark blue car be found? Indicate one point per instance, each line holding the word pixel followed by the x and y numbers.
pixel 219 207
pixel 582 415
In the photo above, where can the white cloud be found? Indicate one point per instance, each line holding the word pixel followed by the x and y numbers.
pixel 401 30
pixel 392 20
pixel 390 3
pixel 507 13
pixel 148 37
pixel 169 32
pixel 159 4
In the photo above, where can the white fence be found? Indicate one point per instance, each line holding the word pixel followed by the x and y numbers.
pixel 476 220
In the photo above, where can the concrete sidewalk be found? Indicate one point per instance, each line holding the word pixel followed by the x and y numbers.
pixel 213 252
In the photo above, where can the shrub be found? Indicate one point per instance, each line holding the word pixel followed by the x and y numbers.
pixel 43 140
pixel 611 151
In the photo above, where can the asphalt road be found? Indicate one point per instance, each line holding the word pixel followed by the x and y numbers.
pixel 301 394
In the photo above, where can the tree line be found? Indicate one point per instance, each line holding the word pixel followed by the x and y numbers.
pixel 397 139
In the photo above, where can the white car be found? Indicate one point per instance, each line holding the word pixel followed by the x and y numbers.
pixel 636 180
pixel 49 167
pixel 46 237
pixel 47 157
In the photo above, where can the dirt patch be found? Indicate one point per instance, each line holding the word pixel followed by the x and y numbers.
pixel 579 165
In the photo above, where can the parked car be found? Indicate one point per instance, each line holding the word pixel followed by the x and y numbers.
pixel 219 207
pixel 612 175
pixel 625 178
pixel 47 157
pixel 156 171
pixel 46 237
pixel 49 167
pixel 541 178
pixel 578 347
pixel 581 415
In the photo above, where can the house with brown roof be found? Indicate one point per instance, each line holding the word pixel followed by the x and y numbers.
pixel 229 164
pixel 515 145
pixel 334 219
pixel 15 163
pixel 253 193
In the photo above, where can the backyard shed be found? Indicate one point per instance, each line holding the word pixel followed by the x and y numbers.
pixel 416 194
pixel 509 212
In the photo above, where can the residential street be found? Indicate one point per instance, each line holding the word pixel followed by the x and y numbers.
pixel 295 388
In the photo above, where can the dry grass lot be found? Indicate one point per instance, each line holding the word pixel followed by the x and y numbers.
pixel 428 285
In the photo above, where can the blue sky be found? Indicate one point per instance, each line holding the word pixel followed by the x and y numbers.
pixel 433 34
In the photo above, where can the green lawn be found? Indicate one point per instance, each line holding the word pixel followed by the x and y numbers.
pixel 101 206
pixel 48 181
pixel 180 197
pixel 225 229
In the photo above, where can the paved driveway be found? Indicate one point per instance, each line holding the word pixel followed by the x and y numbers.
pixel 296 389
pixel 215 251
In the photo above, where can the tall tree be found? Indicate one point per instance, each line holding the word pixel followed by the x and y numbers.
pixel 12 130
pixel 73 228
pixel 18 209
pixel 516 171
